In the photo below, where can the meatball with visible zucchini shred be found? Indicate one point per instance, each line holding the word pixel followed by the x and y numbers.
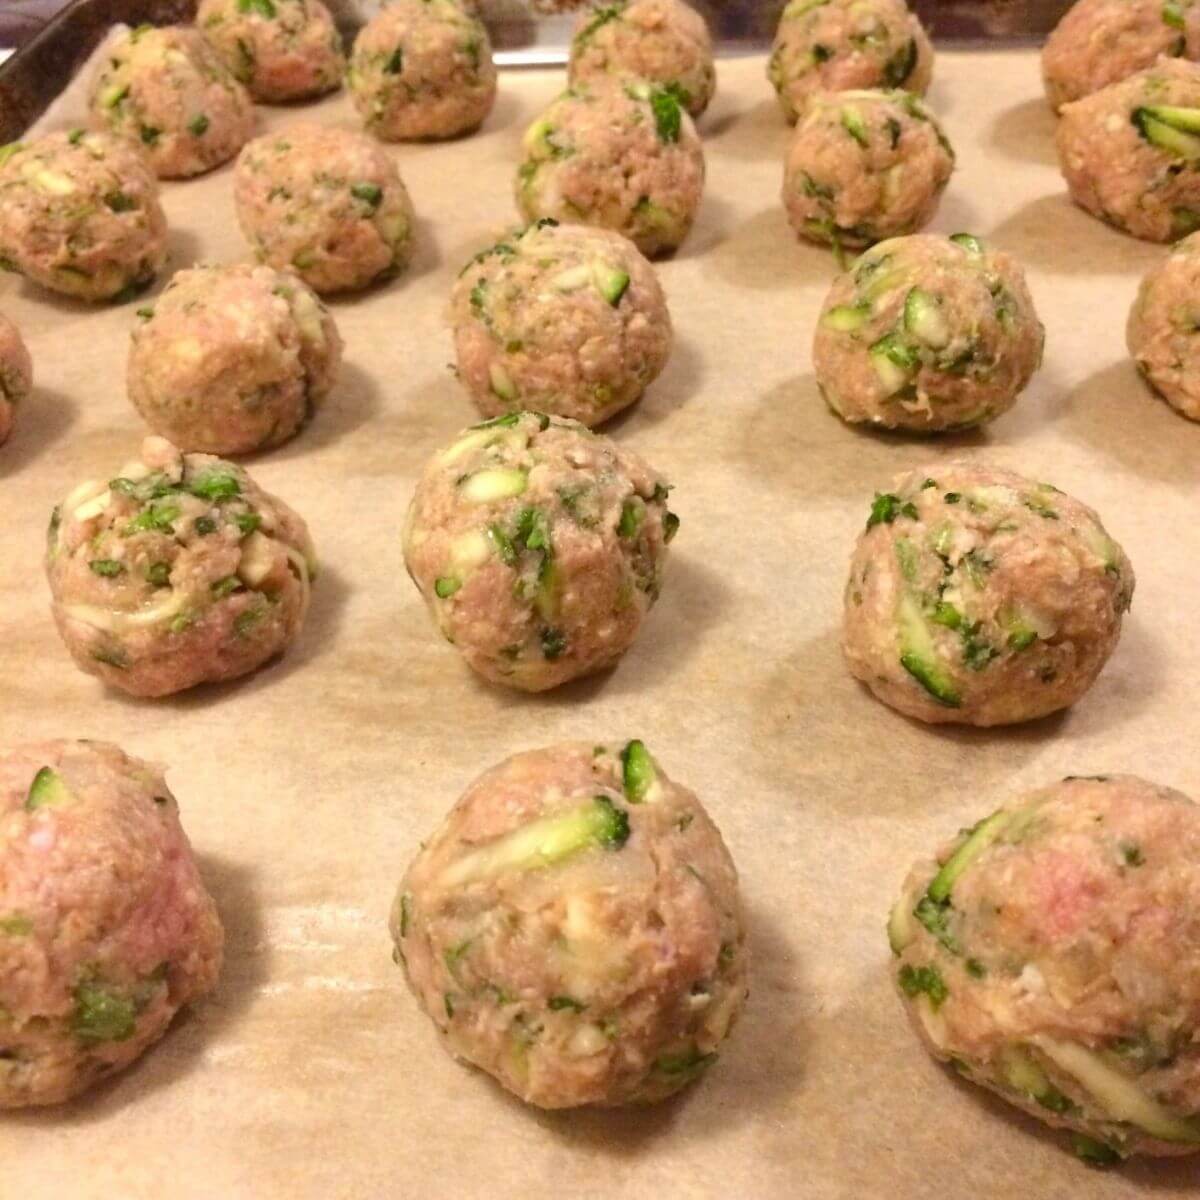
pixel 980 597
pixel 106 929
pixel 1051 953
pixel 560 319
pixel 927 334
pixel 574 929
pixel 539 547
pixel 864 166
pixel 16 374
pixel 179 571
pixel 80 214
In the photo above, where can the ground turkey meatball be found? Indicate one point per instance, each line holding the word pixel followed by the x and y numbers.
pixel 661 41
pixel 422 69
pixel 80 214
pixel 833 45
pixel 232 359
pixel 106 929
pixel 574 928
pixel 1099 42
pixel 326 203
pixel 181 570
pixel 1129 152
pixel 1051 954
pixel 560 319
pixel 980 597
pixel 280 49
pixel 621 156
pixel 16 374
pixel 927 334
pixel 864 166
pixel 1163 327
pixel 539 547
pixel 169 90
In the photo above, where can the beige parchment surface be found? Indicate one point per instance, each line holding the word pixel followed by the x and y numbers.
pixel 307 788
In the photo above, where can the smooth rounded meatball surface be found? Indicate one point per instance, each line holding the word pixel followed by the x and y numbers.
pixel 573 928
pixel 106 929
pixel 179 571
pixel 280 49
pixel 927 334
pixel 835 45
pixel 1128 151
pixel 621 156
pixel 80 214
pixel 539 547
pixel 560 319
pixel 661 41
pixel 1099 42
pixel 232 359
pixel 1052 953
pixel 325 203
pixel 980 597
pixel 16 374
pixel 864 166
pixel 422 69
pixel 168 90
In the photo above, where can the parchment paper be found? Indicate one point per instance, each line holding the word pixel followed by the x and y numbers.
pixel 306 789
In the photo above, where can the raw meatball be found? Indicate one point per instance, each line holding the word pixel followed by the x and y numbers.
pixel 833 45
pixel 423 69
pixel 1099 42
pixel 280 49
pixel 1129 151
pixel 539 547
pixel 621 156
pixel 1163 327
pixel 574 928
pixel 182 570
pixel 661 41
pixel 106 929
pixel 864 166
pixel 169 90
pixel 927 334
pixel 232 359
pixel 560 319
pixel 326 203
pixel 1051 954
pixel 16 374
pixel 980 597
pixel 80 214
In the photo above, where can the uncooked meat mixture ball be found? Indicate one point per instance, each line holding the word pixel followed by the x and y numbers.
pixel 927 334
pixel 106 929
pixel 80 214
pixel 179 571
pixel 1129 152
pixel 661 41
pixel 833 45
pixel 560 319
pixel 16 374
pixel 168 90
pixel 574 928
pixel 280 49
pixel 232 359
pixel 1099 42
pixel 623 156
pixel 539 547
pixel 1163 327
pixel 980 597
pixel 1050 953
pixel 864 166
pixel 423 69
pixel 326 203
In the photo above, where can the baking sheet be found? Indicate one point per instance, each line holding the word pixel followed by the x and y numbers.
pixel 307 787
